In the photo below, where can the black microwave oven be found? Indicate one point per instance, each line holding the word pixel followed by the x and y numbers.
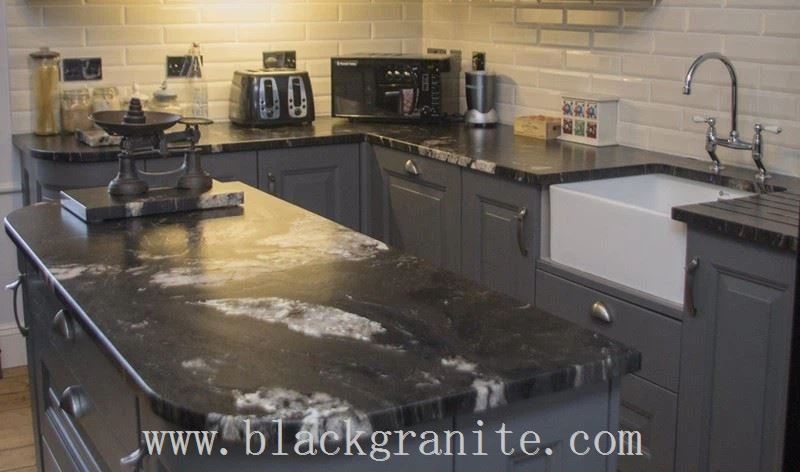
pixel 395 87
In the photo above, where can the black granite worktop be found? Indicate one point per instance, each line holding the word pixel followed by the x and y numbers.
pixel 267 310
pixel 495 151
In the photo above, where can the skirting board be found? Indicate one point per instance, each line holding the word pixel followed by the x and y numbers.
pixel 12 345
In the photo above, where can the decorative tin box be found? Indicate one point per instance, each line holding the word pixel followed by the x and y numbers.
pixel 539 127
pixel 589 119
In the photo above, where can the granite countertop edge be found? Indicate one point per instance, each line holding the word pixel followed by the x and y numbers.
pixel 631 162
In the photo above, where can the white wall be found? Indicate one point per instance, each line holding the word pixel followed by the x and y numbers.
pixel 133 37
pixel 641 55
pixel 13 352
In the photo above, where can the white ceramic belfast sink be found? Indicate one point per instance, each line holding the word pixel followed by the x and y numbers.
pixel 620 229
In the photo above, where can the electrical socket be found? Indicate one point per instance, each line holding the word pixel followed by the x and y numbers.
pixel 88 68
pixel 178 66
pixel 478 60
pixel 279 59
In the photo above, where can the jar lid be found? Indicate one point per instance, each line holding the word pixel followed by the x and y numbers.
pixel 45 53
pixel 76 93
pixel 163 94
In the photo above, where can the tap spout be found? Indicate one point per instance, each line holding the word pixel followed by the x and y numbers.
pixel 687 85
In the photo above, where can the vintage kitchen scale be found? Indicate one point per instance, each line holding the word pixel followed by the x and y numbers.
pixel 128 195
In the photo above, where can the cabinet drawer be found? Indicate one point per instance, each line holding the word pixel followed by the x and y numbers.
pixel 657 337
pixel 110 425
pixel 652 411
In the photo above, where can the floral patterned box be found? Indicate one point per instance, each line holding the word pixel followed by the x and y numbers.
pixel 589 119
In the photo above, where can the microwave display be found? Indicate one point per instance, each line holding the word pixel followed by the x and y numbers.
pixel 406 88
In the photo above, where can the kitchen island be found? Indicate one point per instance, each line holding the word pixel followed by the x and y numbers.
pixel 228 320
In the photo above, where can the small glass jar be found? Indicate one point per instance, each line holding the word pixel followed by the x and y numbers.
pixel 45 91
pixel 165 100
pixel 105 98
pixel 76 110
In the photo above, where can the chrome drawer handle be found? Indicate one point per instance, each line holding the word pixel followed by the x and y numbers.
pixel 75 402
pixel 63 325
pixel 411 167
pixel 691 269
pixel 134 459
pixel 600 312
pixel 14 288
pixel 521 232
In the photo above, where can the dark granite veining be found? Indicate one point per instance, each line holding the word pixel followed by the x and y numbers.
pixel 495 151
pixel 770 219
pixel 220 316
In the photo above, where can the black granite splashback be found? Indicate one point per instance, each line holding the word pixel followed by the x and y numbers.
pixel 270 311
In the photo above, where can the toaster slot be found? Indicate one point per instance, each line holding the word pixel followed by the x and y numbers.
pixel 297 99
pixel 269 105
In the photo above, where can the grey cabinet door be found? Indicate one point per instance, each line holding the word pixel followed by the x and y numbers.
pixel 735 357
pixel 499 234
pixel 420 202
pixel 225 167
pixel 652 411
pixel 324 180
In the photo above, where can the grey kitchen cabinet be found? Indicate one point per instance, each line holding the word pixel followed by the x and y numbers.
pixel 500 234
pixel 735 356
pixel 321 179
pixel 42 180
pixel 85 415
pixel 649 401
pixel 225 167
pixel 417 202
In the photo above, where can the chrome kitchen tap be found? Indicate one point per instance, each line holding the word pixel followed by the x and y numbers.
pixel 733 141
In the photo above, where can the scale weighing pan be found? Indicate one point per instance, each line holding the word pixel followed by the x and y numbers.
pixel 113 122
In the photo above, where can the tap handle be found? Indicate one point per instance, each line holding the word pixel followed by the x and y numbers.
pixel 774 129
pixel 705 119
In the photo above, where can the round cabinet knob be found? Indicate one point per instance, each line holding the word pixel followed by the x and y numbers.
pixel 75 402
pixel 600 312
pixel 411 167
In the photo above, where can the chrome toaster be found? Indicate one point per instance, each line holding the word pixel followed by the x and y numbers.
pixel 271 97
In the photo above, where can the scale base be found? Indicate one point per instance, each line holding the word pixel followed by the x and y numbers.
pixel 96 204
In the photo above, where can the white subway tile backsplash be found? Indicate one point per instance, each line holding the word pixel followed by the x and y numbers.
pixel 593 17
pixel 31 37
pixel 565 81
pixel 540 15
pixel 686 44
pixel 104 35
pixel 782 23
pixel 780 78
pixel 763 49
pixel 632 41
pixel 651 114
pixel 632 88
pixel 257 13
pixel 724 21
pixel 559 37
pixel 160 15
pixel 24 16
pixel 539 49
pixel 592 62
pixel 656 19
pixel 548 58
pixel 205 34
pixel 340 30
pixel 82 16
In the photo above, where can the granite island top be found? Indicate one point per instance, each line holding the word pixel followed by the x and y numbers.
pixel 268 311
pixel 494 151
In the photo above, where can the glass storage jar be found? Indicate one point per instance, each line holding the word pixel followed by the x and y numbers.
pixel 165 100
pixel 105 98
pixel 45 91
pixel 76 110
